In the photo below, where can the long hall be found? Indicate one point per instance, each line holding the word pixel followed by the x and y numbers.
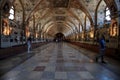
pixel 62 61
pixel 59 39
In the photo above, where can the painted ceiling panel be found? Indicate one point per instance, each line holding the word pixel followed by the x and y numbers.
pixel 60 3
pixel 58 12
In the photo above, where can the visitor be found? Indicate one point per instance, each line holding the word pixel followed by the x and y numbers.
pixel 101 49
pixel 29 44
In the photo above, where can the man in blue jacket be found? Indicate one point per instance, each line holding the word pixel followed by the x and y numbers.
pixel 101 49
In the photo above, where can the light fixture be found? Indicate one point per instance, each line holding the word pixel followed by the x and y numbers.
pixel 36 35
pixel 83 35
pixel 27 32
pixel 91 32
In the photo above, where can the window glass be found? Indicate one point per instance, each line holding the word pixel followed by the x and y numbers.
pixel 107 14
pixel 11 12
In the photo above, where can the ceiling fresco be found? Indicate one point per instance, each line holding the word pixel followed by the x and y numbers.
pixel 60 3
pixel 55 16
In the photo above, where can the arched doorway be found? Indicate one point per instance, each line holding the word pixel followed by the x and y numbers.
pixel 59 37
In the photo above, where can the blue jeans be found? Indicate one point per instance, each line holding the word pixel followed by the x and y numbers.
pixel 101 54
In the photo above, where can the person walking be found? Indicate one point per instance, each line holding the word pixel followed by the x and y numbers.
pixel 29 44
pixel 102 47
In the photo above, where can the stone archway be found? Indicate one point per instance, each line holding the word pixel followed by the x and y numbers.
pixel 59 37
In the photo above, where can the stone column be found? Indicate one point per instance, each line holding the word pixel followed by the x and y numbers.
pixel 0 26
pixel 118 7
pixel 79 32
pixel 119 29
pixel 34 27
pixel 85 28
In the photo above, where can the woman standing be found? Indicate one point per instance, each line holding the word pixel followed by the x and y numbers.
pixel 29 44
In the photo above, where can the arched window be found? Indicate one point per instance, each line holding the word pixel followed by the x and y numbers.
pixel 107 14
pixel 11 12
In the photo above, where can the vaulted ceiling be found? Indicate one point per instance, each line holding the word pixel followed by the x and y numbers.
pixel 58 16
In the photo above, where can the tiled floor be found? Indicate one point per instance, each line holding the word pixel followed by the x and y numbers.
pixel 59 61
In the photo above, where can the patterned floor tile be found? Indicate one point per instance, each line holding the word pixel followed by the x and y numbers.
pixel 50 68
pixel 73 76
pixel 39 68
pixel 72 56
pixel 59 62
pixel 85 75
pixel 43 64
pixel 48 75
pixel 47 60
pixel 60 68
pixel 60 75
